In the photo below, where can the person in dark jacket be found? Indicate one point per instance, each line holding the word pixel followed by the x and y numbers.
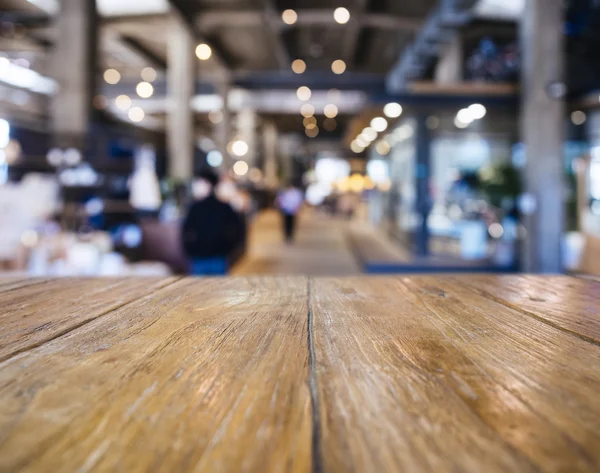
pixel 212 231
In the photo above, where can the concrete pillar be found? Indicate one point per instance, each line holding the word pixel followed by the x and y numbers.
pixel 223 129
pixel 181 76
pixel 450 66
pixel 247 122
pixel 542 132
pixel 422 176
pixel 270 158
pixel 75 69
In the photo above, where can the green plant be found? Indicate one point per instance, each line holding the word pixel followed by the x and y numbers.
pixel 500 183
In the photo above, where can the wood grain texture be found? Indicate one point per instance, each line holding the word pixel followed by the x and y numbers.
pixel 411 374
pixel 12 283
pixel 199 376
pixel 428 375
pixel 571 304
pixel 32 314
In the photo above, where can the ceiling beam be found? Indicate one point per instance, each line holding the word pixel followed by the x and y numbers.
pixel 187 10
pixel 270 18
pixel 213 20
pixel 352 32
pixel 153 59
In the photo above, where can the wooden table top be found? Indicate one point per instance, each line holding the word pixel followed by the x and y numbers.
pixel 405 374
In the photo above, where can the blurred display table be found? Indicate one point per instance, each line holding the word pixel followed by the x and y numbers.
pixel 416 374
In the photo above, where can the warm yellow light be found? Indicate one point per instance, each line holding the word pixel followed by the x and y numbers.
pixel 149 74
pixel 383 148
pixel 362 142
pixel 311 126
pixel 123 102
pixel 338 66
pixel 369 184
pixel 356 183
pixel 203 51
pixel 307 110
pixel 112 76
pixel 144 90
pixel 356 147
pixel 331 111
pixel 240 168
pixel 309 121
pixel 298 66
pixel 329 124
pixel 304 93
pixel 369 133
pixel 341 15
pixel 312 132
pixel 136 114
pixel 343 185
pixel 289 17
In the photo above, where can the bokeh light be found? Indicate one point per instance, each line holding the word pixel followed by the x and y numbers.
pixel 203 52
pixel 240 168
pixel 123 102
pixel 149 74
pixel 331 111
pixel 289 17
pixel 299 66
pixel 356 147
pixel 214 158
pixel 312 132
pixel 136 114
pixel 338 66
pixel 341 15
pixel 383 148
pixel 239 148
pixel 215 116
pixel 578 117
pixel 304 93
pixel 307 110
pixel 392 110
pixel 144 90
pixel 112 76
pixel 478 111
pixel 379 124
pixel 310 120
pixel 100 102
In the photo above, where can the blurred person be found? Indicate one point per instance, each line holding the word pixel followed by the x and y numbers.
pixel 212 230
pixel 289 201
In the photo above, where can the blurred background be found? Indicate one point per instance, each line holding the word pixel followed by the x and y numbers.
pixel 321 137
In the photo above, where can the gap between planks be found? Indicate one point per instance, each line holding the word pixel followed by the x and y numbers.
pixel 70 329
pixel 317 464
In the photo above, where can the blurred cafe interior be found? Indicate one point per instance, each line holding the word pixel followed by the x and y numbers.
pixel 429 136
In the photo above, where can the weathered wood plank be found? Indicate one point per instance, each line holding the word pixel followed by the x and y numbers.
pixel 33 314
pixel 426 375
pixel 12 283
pixel 202 375
pixel 568 303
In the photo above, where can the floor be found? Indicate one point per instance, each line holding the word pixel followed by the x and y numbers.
pixel 320 248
